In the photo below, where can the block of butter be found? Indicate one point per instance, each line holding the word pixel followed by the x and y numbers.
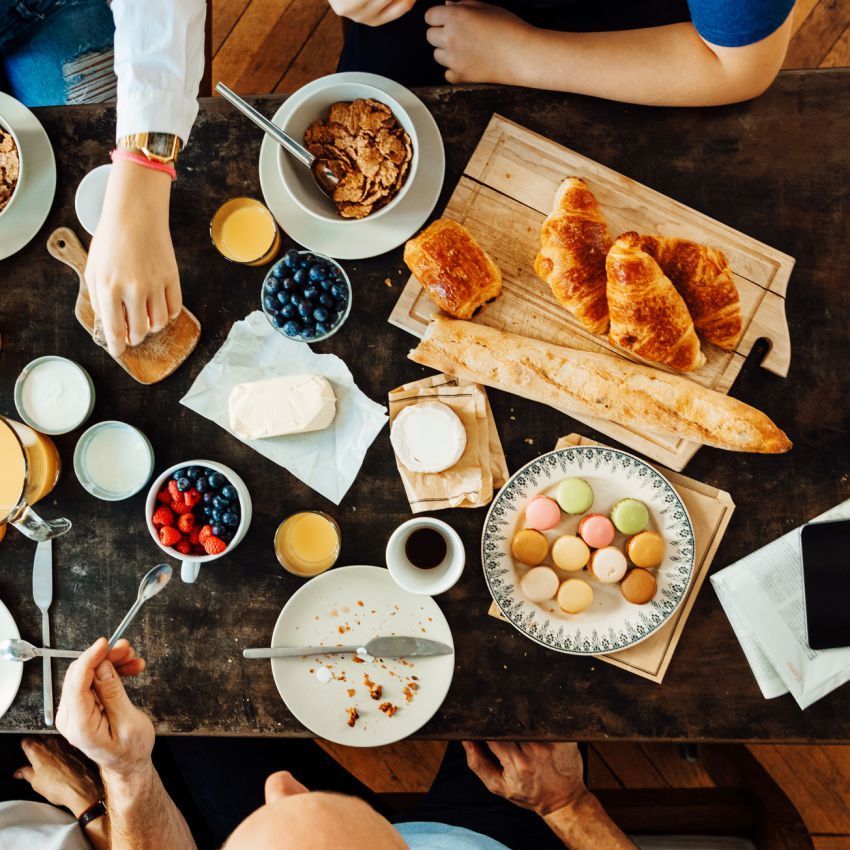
pixel 294 404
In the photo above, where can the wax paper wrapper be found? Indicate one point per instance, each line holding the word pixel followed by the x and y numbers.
pixel 329 460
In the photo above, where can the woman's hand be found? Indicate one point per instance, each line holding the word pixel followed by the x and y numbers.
pixel 536 776
pixel 479 43
pixel 132 276
pixel 372 13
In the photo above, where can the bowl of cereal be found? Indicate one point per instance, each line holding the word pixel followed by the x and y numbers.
pixel 11 166
pixel 364 135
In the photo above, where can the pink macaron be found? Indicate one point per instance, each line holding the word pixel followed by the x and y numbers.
pixel 542 513
pixel 597 531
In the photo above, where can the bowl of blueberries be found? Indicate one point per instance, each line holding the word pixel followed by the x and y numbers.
pixel 198 511
pixel 306 296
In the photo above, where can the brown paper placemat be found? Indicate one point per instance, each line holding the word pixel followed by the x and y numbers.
pixel 710 510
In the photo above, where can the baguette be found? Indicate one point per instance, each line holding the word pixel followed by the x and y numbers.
pixel 579 382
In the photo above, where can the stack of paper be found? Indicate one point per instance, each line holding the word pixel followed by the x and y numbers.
pixel 762 596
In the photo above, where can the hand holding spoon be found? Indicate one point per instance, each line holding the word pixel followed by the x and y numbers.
pixel 151 584
pixel 22 650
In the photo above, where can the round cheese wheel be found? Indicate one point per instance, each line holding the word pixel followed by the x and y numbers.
pixel 428 436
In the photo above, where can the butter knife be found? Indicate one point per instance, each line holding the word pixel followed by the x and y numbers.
pixel 381 647
pixel 42 592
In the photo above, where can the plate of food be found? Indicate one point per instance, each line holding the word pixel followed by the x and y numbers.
pixel 11 672
pixel 588 550
pixel 358 700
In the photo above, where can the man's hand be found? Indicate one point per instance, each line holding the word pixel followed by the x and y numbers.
pixel 372 13
pixel 478 43
pixel 132 276
pixel 536 776
pixel 96 715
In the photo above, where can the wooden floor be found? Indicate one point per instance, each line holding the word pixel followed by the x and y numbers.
pixel 262 46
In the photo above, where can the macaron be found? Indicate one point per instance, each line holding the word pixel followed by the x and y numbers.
pixel 596 530
pixel 574 495
pixel 542 513
pixel 645 549
pixel 529 547
pixel 570 552
pixel 575 596
pixel 639 586
pixel 539 584
pixel 629 516
pixel 607 565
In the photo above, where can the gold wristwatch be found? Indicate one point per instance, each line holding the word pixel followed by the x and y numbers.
pixel 157 147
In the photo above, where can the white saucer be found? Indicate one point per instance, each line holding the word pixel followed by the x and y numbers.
pixel 356 240
pixel 88 201
pixel 38 185
pixel 10 671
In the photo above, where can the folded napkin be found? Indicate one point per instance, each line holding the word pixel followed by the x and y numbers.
pixel 329 460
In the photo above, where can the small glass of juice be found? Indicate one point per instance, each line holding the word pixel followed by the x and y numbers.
pixel 244 231
pixel 307 543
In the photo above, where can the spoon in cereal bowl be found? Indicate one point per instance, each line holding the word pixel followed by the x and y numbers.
pixel 323 174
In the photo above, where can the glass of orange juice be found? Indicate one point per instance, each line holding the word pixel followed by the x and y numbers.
pixel 244 231
pixel 307 543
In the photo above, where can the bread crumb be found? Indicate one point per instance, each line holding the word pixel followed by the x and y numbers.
pixel 388 708
pixel 353 716
pixel 388 282
pixel 351 692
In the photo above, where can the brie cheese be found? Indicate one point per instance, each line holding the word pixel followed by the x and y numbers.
pixel 428 436
pixel 275 407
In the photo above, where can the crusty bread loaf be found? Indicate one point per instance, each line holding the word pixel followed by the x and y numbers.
pixel 596 385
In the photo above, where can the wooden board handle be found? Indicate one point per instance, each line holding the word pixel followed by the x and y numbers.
pixel 64 245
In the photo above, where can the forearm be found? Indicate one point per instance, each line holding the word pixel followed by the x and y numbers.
pixel 97 834
pixel 584 825
pixel 141 814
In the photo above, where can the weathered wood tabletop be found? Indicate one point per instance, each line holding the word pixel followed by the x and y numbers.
pixel 777 168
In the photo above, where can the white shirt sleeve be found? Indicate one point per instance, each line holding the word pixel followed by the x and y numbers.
pixel 159 62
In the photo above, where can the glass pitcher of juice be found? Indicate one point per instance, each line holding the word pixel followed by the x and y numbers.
pixel 29 470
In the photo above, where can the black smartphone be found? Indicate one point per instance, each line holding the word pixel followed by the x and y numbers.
pixel 826 582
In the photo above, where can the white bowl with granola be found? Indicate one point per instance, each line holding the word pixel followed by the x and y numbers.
pixel 11 166
pixel 365 135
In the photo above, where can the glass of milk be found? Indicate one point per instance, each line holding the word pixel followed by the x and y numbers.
pixel 54 395
pixel 113 460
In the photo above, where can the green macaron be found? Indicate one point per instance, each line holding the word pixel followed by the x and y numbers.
pixel 575 495
pixel 629 516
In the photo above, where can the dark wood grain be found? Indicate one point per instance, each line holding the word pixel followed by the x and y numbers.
pixel 777 169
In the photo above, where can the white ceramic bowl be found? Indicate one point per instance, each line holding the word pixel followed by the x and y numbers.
pixel 191 564
pixel 425 582
pixel 304 110
pixel 4 125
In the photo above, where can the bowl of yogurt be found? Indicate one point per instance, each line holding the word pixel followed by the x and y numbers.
pixel 113 460
pixel 54 395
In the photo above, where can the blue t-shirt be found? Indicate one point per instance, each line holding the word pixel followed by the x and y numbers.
pixel 737 23
pixel 441 836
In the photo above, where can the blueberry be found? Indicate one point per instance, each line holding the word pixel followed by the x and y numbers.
pixel 326 284
pixel 301 277
pixel 278 320
pixel 229 492
pixel 184 484
pixel 288 311
pixel 340 292
pixel 320 314
pixel 326 300
pixel 311 293
pixel 279 269
pixel 202 485
pixel 272 286
pixel 230 518
pixel 215 513
pixel 208 494
pixel 178 473
pixel 271 303
pixel 206 510
pixel 227 534
pixel 192 472
pixel 216 530
pixel 220 502
pixel 283 297
pixel 322 329
pixel 288 284
pixel 292 328
pixel 295 298
pixel 308 332
pixel 306 262
pixel 311 259
pixel 318 272
pixel 290 258
pixel 217 480
pixel 305 308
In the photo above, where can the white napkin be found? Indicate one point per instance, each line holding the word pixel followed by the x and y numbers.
pixel 329 460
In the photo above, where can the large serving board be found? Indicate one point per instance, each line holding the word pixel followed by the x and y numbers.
pixel 504 195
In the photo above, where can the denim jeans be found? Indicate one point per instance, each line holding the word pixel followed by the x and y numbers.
pixel 54 52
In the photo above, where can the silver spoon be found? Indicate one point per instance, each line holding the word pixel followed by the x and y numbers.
pixel 325 179
pixel 151 584
pixel 22 650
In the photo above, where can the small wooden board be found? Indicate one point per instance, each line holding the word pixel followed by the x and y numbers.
pixel 503 197
pixel 158 355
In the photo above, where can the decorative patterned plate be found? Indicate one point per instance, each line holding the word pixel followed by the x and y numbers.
pixel 610 623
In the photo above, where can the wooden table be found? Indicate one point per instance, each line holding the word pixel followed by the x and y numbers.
pixel 777 168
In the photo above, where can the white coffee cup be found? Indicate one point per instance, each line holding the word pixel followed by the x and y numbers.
pixel 191 564
pixel 431 581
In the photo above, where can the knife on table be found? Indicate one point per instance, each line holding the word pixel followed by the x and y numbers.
pixel 42 592
pixel 382 647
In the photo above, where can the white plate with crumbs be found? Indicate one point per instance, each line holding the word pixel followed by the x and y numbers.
pixel 349 606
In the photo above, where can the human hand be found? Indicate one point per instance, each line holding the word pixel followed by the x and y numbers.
pixel 57 773
pixel 479 43
pixel 372 13
pixel 537 776
pixel 96 715
pixel 131 274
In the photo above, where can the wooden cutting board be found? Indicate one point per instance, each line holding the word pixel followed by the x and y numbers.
pixel 502 198
pixel 158 355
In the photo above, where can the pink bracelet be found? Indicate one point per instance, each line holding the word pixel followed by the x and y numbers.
pixel 139 159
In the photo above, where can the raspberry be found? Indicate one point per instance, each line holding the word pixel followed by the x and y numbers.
pixel 186 523
pixel 204 533
pixel 172 488
pixel 192 497
pixel 197 549
pixel 169 536
pixel 164 496
pixel 183 546
pixel 214 545
pixel 194 535
pixel 180 507
pixel 162 516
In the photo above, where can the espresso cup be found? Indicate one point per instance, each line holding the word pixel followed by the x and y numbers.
pixel 431 581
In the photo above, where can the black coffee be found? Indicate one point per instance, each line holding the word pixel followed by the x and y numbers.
pixel 426 548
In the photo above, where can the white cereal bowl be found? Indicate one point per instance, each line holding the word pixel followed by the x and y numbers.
pixel 425 582
pixel 309 107
pixel 5 125
pixel 191 564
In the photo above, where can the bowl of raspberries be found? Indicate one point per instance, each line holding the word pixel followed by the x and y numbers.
pixel 306 296
pixel 198 511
